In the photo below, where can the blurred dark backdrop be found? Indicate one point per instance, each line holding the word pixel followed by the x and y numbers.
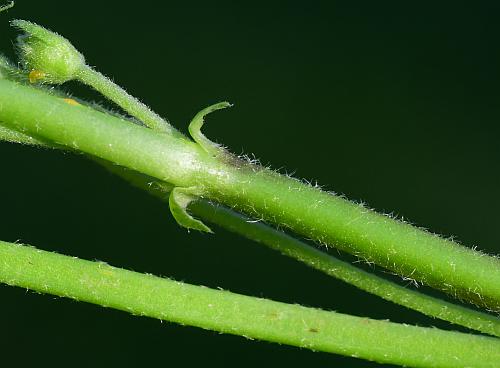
pixel 396 105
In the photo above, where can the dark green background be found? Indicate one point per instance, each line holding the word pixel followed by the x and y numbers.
pixel 396 105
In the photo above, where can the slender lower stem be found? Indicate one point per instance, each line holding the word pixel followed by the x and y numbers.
pixel 147 295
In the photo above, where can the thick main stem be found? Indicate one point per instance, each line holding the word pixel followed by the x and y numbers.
pixel 287 202
pixel 331 220
pixel 147 295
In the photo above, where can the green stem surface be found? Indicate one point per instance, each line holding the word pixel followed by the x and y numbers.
pixel 375 238
pixel 346 272
pixel 127 102
pixel 305 253
pixel 286 202
pixel 165 299
pixel 13 136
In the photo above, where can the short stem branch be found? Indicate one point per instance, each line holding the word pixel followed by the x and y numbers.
pixel 123 99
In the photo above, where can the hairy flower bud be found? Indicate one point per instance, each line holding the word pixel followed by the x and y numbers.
pixel 48 57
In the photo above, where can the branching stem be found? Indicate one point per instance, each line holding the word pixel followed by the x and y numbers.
pixel 287 202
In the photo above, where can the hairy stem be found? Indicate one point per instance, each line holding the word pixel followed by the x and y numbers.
pixel 257 191
pixel 147 295
pixel 302 252
pixel 127 102
pixel 13 136
pixel 346 272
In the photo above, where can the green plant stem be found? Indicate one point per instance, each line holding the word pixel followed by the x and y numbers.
pixel 165 299
pixel 290 246
pixel 257 191
pixel 346 272
pixel 13 136
pixel 302 252
pixel 127 102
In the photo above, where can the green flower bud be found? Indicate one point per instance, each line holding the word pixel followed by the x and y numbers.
pixel 48 57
